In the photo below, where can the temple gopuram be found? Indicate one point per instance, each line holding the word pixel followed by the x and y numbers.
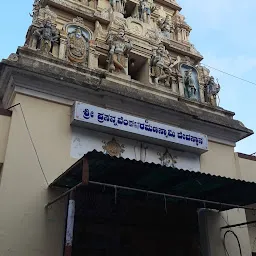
pixel 113 141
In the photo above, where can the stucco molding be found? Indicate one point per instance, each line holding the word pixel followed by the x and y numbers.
pixel 87 85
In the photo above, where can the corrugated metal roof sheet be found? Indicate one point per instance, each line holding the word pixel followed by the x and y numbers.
pixel 148 176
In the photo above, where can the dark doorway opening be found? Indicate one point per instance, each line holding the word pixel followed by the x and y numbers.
pixel 111 223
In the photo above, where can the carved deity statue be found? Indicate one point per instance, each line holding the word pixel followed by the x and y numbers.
pixel 166 27
pixel 212 89
pixel 146 7
pixel 119 48
pixel 77 46
pixel 190 88
pixel 36 8
pixel 159 70
pixel 47 36
pixel 118 5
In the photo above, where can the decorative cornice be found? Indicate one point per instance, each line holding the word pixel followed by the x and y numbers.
pixel 79 9
pixel 61 78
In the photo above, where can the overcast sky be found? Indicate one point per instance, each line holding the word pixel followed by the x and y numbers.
pixel 223 31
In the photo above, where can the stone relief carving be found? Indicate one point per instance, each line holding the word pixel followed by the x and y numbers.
pixel 13 57
pixel 135 27
pixel 119 48
pixel 113 148
pixel 47 35
pixel 212 90
pixel 145 9
pixel 118 5
pixel 77 47
pixel 46 14
pixel 162 66
pixel 78 20
pixel 153 35
pixel 160 71
pixel 167 159
pixel 36 8
pixel 99 32
pixel 167 27
pixel 182 29
pixel 104 14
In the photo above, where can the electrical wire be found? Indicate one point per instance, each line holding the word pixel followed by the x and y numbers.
pixel 31 139
pixel 226 73
pixel 237 239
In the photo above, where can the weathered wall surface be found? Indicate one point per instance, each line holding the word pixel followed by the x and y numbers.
pixel 26 228
pixel 219 160
pixel 4 134
pixel 247 168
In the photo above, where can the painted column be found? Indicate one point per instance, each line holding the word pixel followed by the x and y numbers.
pixel 62 49
pixel 93 61
pixel 55 50
pixel 175 85
pixel 70 225
pixel 181 86
pixel 201 87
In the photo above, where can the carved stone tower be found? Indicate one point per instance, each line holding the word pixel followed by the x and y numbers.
pixel 122 78
pixel 143 43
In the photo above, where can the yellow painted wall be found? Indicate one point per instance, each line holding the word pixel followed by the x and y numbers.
pixel 219 160
pixel 247 169
pixel 26 228
pixel 4 133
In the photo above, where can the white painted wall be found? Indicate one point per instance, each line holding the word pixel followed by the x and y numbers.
pixel 85 140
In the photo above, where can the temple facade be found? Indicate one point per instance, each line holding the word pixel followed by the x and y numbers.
pixel 100 84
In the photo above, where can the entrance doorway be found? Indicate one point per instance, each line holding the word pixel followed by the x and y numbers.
pixel 111 223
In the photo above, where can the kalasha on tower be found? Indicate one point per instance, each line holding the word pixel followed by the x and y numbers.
pixel 112 138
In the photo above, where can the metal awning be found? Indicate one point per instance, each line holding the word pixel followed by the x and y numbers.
pixel 134 177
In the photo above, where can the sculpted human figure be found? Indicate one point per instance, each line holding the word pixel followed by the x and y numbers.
pixel 36 8
pixel 77 46
pixel 212 90
pixel 119 48
pixel 159 70
pixel 47 35
pixel 190 88
pixel 167 27
pixel 146 7
pixel 118 5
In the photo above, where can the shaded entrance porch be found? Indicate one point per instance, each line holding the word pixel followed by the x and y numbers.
pixel 126 207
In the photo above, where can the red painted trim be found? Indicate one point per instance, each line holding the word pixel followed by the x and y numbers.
pixel 68 250
pixel 248 157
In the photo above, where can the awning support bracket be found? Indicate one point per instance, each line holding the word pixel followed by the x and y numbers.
pixel 85 181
